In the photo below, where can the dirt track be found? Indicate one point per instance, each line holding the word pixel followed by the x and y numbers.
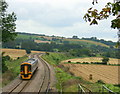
pixel 42 81
pixel 109 74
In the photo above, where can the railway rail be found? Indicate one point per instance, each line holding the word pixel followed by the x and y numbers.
pixel 40 82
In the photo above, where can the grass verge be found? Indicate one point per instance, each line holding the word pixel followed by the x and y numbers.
pixel 13 70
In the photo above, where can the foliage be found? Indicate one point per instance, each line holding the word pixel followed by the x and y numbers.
pixel 28 51
pixel 4 58
pixel 61 75
pixel 75 37
pixel 114 88
pixel 55 58
pixel 105 60
pixel 110 43
pixel 100 81
pixel 13 69
pixel 8 25
pixel 79 48
pixel 110 9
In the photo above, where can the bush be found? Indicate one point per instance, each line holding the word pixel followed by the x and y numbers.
pixel 100 81
pixel 85 63
pixel 28 51
pixel 78 62
pixel 69 61
pixel 18 57
pixel 92 62
pixel 47 53
pixel 105 60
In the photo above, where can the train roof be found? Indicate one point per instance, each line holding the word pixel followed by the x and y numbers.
pixel 31 60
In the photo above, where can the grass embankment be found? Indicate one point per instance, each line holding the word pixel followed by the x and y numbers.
pixel 66 81
pixel 13 70
pixel 63 78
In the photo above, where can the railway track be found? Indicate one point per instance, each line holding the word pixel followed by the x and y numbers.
pixel 40 82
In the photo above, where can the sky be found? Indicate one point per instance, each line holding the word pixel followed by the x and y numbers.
pixel 60 18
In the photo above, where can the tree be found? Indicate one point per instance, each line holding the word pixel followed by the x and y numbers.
pixel 4 58
pixel 105 60
pixel 110 9
pixel 75 37
pixel 28 51
pixel 7 25
pixel 7 29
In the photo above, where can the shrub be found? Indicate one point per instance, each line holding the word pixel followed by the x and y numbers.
pixel 85 63
pixel 28 51
pixel 92 62
pixel 69 61
pixel 47 53
pixel 78 62
pixel 100 81
pixel 105 60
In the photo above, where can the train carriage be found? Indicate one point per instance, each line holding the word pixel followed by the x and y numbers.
pixel 28 67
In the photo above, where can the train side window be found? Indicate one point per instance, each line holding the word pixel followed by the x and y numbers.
pixel 29 67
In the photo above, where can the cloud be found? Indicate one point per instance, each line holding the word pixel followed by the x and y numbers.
pixel 79 29
pixel 59 17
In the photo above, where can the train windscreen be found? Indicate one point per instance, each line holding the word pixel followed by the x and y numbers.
pixel 25 67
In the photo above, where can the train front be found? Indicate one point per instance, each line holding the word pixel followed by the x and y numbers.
pixel 25 70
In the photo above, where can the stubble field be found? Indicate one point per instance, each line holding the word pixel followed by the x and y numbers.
pixel 14 53
pixel 106 73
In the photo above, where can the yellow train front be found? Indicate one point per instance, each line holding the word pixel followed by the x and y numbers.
pixel 28 68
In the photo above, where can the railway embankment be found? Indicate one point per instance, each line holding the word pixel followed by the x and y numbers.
pixel 13 70
pixel 41 81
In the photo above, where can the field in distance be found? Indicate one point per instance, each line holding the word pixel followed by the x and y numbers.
pixel 14 53
pixel 106 73
pixel 93 59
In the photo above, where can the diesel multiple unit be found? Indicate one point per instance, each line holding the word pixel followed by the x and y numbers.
pixel 28 68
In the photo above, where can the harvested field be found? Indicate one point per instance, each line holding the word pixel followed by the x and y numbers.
pixel 93 59
pixel 50 37
pixel 14 53
pixel 39 41
pixel 106 73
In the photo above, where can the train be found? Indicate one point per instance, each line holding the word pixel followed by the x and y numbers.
pixel 28 67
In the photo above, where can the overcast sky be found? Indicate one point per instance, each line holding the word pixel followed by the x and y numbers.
pixel 60 18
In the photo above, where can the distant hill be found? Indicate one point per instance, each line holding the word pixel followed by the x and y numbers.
pixel 62 40
pixel 110 43
pixel 74 46
pixel 86 42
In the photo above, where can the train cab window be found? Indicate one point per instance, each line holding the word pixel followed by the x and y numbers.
pixel 22 67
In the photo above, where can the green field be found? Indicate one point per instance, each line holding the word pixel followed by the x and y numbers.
pixel 88 43
pixel 23 36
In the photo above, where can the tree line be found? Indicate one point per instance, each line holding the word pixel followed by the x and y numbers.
pixel 74 49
